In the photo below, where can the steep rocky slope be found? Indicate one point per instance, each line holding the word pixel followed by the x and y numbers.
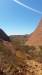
pixel 36 37
pixel 3 36
pixel 5 40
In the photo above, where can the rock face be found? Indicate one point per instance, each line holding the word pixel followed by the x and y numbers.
pixel 3 36
pixel 36 37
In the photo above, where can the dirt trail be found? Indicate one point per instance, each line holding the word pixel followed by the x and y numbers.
pixel 9 46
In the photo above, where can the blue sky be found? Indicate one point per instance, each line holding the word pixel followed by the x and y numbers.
pixel 17 18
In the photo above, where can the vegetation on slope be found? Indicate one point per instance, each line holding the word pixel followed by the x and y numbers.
pixel 23 60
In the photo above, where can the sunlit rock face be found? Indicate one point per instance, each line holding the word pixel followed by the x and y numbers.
pixel 36 37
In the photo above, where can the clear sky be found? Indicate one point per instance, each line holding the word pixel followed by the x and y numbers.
pixel 20 16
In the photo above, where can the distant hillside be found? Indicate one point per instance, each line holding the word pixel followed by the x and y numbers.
pixel 20 37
